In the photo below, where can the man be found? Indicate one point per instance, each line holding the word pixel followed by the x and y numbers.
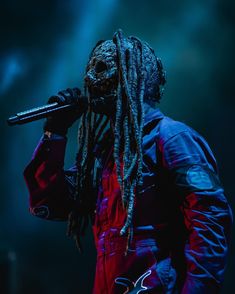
pixel 148 184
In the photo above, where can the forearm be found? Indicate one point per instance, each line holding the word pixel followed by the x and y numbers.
pixel 208 221
pixel 45 179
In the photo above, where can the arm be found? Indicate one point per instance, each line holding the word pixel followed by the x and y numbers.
pixel 49 185
pixel 207 215
pixel 47 182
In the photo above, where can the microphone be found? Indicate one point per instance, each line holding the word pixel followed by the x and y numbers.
pixel 41 112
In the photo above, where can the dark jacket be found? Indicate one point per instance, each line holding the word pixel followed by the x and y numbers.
pixel 181 219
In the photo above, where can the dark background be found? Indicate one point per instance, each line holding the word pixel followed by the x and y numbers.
pixel 44 48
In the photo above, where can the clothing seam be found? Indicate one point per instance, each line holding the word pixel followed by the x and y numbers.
pixel 185 131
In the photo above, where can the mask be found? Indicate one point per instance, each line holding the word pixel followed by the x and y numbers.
pixel 101 77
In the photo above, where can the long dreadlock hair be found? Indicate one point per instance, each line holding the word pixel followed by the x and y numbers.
pixel 140 77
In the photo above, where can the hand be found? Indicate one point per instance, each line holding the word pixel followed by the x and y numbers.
pixel 60 122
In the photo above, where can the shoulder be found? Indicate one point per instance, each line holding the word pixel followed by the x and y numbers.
pixel 169 128
pixel 164 128
pixel 181 144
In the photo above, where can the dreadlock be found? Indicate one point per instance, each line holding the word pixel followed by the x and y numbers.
pixel 92 126
pixel 140 75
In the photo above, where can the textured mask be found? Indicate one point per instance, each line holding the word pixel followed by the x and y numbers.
pixel 101 77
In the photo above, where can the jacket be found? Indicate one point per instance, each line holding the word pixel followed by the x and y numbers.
pixel 181 219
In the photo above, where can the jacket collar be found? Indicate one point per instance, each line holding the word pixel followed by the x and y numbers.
pixel 152 116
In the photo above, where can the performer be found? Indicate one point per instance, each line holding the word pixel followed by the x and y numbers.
pixel 148 184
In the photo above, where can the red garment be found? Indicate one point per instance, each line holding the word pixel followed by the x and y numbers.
pixel 181 219
pixel 145 266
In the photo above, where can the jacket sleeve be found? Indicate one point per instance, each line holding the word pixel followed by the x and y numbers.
pixel 48 184
pixel 207 215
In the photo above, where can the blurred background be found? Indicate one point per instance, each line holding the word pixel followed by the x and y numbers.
pixel 44 48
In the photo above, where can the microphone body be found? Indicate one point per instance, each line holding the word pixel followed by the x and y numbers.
pixel 40 112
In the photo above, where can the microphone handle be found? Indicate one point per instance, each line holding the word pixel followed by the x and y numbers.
pixel 37 113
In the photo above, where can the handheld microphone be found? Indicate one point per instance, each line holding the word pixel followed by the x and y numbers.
pixel 40 112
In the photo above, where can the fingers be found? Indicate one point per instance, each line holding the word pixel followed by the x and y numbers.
pixel 66 96
pixel 70 95
pixel 56 98
pixel 76 91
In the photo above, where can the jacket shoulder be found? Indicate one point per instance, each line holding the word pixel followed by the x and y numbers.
pixel 168 128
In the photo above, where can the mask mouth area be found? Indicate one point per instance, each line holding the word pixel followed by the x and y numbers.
pixel 103 95
pixel 95 91
pixel 98 87
pixel 104 105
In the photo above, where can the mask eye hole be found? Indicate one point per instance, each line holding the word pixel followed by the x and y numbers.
pixel 100 67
